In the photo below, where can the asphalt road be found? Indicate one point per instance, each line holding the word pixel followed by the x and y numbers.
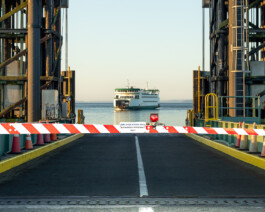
pixel 108 166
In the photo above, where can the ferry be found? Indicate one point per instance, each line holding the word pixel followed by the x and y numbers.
pixel 136 98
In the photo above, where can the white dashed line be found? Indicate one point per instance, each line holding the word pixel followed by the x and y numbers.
pixel 142 179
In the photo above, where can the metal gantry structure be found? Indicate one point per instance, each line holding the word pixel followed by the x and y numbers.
pixel 237 52
pixel 30 56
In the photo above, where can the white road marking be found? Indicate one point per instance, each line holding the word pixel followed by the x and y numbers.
pixel 142 179
pixel 146 209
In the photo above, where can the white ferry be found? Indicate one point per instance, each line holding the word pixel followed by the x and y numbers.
pixel 136 98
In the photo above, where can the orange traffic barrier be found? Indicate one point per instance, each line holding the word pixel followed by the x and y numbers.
pixel 263 149
pixel 16 144
pixel 47 138
pixel 40 140
pixel 28 144
pixel 238 139
pixel 253 146
pixel 54 137
pixel 244 140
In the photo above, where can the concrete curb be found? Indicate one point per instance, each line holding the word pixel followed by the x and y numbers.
pixel 10 163
pixel 240 155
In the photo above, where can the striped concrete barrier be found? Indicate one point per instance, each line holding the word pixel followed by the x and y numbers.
pixel 39 128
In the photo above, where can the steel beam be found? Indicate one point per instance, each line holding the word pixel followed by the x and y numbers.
pixel 34 112
pixel 11 107
pixel 23 31
pixel 12 12
pixel 24 78
pixel 23 52
pixel 253 51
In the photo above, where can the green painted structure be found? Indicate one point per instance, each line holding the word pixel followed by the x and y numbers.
pixel 6 143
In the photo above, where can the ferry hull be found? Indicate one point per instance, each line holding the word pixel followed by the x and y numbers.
pixel 137 108
pixel 136 99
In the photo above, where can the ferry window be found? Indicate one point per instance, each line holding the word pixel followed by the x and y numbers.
pixel 137 97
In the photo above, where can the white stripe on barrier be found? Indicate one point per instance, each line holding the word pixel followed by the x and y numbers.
pixel 240 131
pixel 101 128
pixel 200 130
pixel 41 128
pixel 161 129
pixel 3 131
pixel 61 128
pixel 220 131
pixel 259 131
pixel 20 128
pixel 81 128
pixel 181 129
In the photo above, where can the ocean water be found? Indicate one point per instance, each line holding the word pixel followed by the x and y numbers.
pixel 171 114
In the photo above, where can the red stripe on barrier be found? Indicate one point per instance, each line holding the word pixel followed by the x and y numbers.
pixel 171 129
pixel 91 128
pixel 251 132
pixel 191 130
pixel 10 129
pixel 111 129
pixel 31 128
pixel 230 131
pixel 152 130
pixel 71 128
pixel 210 130
pixel 51 128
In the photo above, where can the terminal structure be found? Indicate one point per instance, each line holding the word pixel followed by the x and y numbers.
pixel 32 87
pixel 237 60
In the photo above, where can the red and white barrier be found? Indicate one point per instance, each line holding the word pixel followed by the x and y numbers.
pixel 38 128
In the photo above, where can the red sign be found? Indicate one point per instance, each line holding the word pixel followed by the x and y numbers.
pixel 154 117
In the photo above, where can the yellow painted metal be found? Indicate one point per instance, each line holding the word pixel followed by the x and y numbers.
pixel 240 155
pixel 13 162
pixel 199 90
pixel 12 12
pixel 24 78
pixel 190 117
pixel 69 92
pixel 208 107
pixel 80 119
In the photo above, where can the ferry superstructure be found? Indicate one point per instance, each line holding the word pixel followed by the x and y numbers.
pixel 136 98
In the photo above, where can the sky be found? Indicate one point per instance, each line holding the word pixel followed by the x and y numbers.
pixel 112 42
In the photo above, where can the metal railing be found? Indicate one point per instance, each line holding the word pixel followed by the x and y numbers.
pixel 251 112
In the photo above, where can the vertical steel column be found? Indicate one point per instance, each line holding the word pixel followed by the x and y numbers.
pixel 203 39
pixel 231 74
pixel 49 46
pixel 58 46
pixel 33 61
pixel 262 23
pixel 257 24
pixel 1 14
pixel 66 39
pixel 2 57
pixel 221 48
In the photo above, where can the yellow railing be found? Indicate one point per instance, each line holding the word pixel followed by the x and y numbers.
pixel 209 107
